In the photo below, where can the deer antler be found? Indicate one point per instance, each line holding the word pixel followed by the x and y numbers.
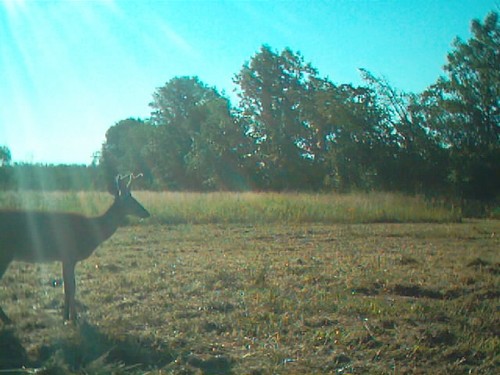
pixel 132 177
pixel 120 181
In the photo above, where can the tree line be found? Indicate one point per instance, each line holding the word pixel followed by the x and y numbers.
pixel 295 130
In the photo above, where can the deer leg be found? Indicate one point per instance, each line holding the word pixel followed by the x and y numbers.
pixel 69 291
pixel 3 316
pixel 4 263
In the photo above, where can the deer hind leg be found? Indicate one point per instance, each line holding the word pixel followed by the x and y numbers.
pixel 69 291
pixel 4 263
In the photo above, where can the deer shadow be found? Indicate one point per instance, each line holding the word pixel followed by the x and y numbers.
pixel 86 350
pixel 12 353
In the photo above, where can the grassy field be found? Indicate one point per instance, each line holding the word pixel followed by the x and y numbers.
pixel 199 290
pixel 249 208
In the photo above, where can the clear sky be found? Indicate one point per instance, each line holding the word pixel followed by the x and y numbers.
pixel 71 69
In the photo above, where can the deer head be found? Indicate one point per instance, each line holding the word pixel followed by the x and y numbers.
pixel 123 198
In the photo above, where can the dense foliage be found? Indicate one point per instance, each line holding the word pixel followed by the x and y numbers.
pixel 295 130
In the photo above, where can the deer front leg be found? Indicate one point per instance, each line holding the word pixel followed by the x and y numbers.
pixel 4 318
pixel 69 291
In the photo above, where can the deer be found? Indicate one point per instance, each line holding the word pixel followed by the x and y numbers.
pixel 38 237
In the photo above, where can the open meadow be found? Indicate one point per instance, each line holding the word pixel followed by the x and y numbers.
pixel 263 284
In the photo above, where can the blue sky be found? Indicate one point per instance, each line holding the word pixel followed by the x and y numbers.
pixel 71 69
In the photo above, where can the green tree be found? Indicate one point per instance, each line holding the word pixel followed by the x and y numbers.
pixel 197 139
pixel 5 159
pixel 463 109
pixel 5 156
pixel 411 158
pixel 126 150
pixel 271 87
pixel 344 134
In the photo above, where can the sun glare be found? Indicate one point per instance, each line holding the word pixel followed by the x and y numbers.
pixel 42 80
pixel 12 6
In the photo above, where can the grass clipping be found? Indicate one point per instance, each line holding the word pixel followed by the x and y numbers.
pixel 265 299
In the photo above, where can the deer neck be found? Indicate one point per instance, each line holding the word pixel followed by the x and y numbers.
pixel 108 223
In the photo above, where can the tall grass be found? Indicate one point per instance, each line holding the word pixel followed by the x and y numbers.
pixel 254 208
pixel 247 208
pixel 88 203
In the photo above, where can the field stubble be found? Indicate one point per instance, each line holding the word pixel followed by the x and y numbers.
pixel 266 298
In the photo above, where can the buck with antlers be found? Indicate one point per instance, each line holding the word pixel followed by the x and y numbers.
pixel 32 236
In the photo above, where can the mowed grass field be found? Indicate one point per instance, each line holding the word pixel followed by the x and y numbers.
pixel 263 284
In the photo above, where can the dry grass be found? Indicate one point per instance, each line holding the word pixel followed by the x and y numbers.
pixel 249 208
pixel 258 208
pixel 263 299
